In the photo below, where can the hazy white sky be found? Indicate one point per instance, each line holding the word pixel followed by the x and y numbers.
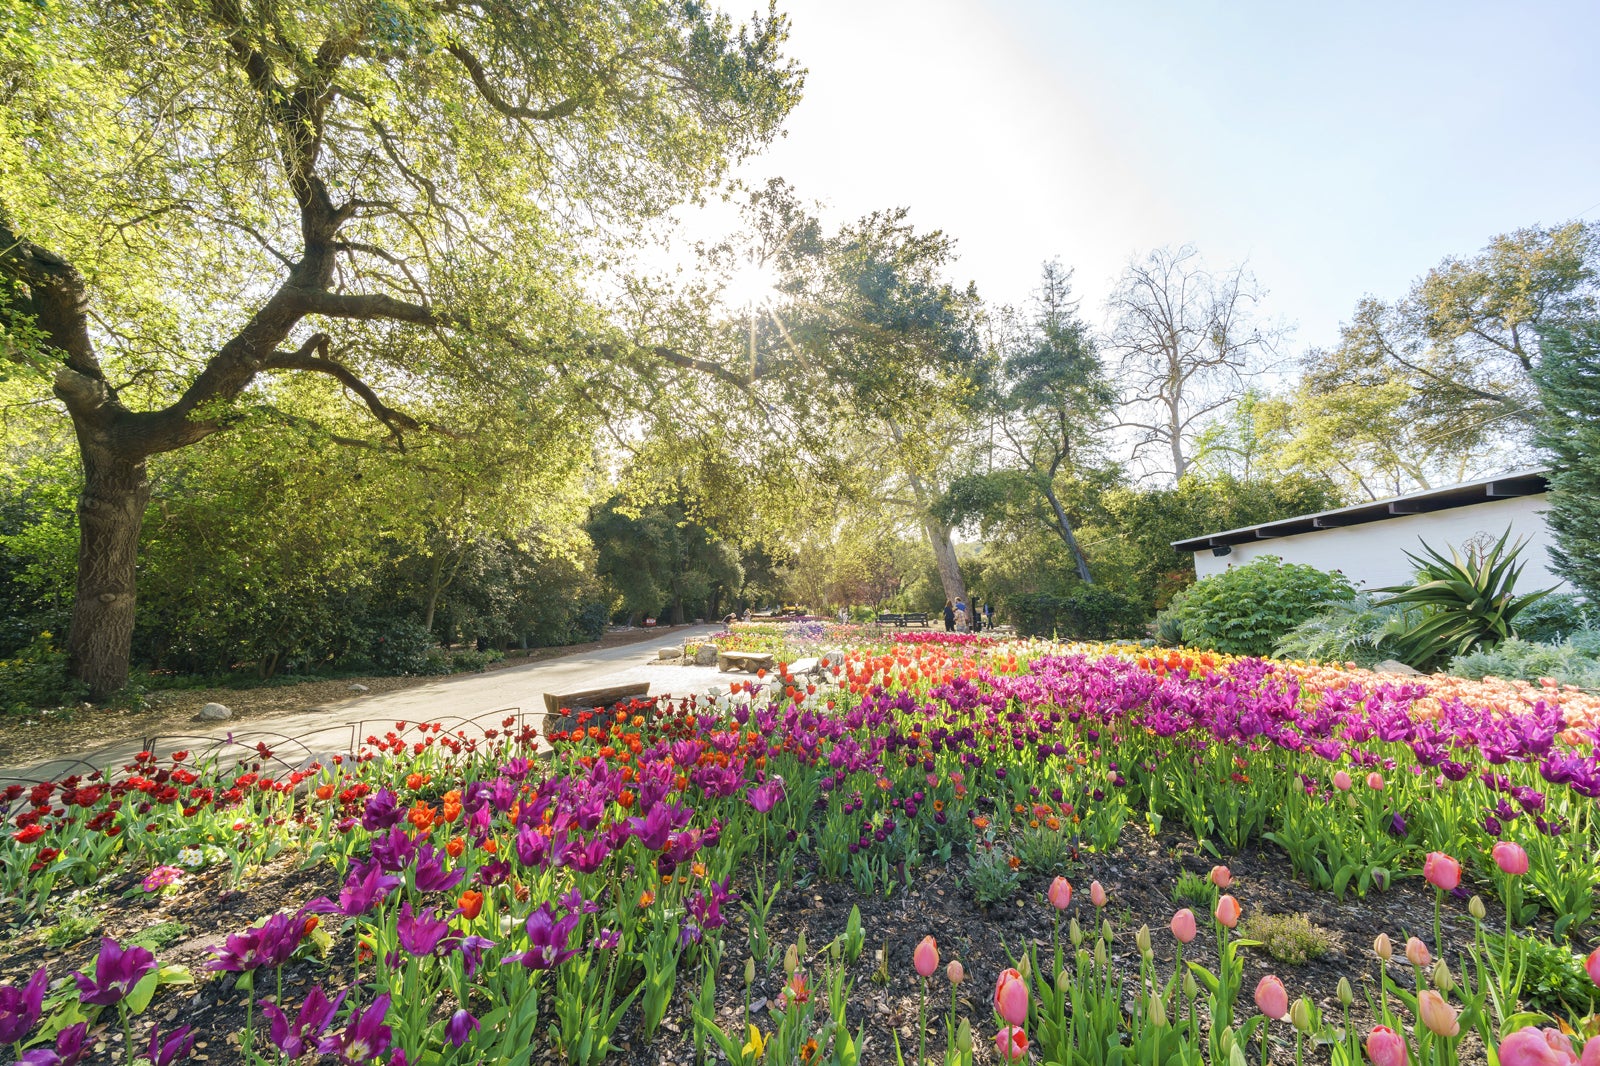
pixel 1341 149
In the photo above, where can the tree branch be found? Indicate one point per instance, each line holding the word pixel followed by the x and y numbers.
pixel 303 359
pixel 492 97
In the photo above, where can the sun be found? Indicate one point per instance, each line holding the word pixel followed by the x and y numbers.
pixel 751 285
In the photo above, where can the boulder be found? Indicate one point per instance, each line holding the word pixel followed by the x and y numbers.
pixel 805 667
pixel 833 659
pixel 214 712
pixel 668 653
pixel 705 655
pixel 1394 666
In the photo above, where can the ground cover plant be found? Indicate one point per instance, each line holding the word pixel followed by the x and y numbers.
pixel 854 869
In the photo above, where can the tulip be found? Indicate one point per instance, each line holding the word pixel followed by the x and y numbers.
pixel 1272 998
pixel 1341 781
pixel 1060 894
pixel 1097 894
pixel 1183 925
pixel 1436 1014
pixel 1011 997
pixel 1441 871
pixel 1417 952
pixel 20 1008
pixel 1382 948
pixel 1345 993
pixel 1510 858
pixel 1537 1047
pixel 115 973
pixel 954 972
pixel 1012 1043
pixel 1228 911
pixel 1300 1015
pixel 1385 1047
pixel 1375 781
pixel 1476 908
pixel 1221 876
pixel 1591 966
pixel 926 957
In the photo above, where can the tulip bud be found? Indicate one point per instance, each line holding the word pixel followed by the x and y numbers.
pixel 1105 932
pixel 1236 1056
pixel 1221 876
pixel 1101 955
pixel 1385 1047
pixel 1158 1010
pixel 925 959
pixel 1225 1041
pixel 791 960
pixel 1060 893
pixel 750 971
pixel 1075 933
pixel 1436 1014
pixel 1382 948
pixel 1443 979
pixel 1142 940
pixel 1591 966
pixel 964 1037
pixel 1183 926
pixel 955 972
pixel 1476 908
pixel 1025 968
pixel 1300 1014
pixel 1380 879
pixel 1417 952
pixel 1346 994
pixel 1063 982
pixel 1097 894
pixel 1191 987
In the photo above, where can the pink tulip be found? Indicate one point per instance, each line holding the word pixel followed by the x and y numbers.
pixel 1097 894
pixel 1341 781
pixel 1417 952
pixel 1382 948
pixel 1012 1043
pixel 1060 894
pixel 1385 1047
pixel 1537 1047
pixel 1375 781
pixel 1510 858
pixel 1228 911
pixel 1591 966
pixel 926 957
pixel 1183 925
pixel 1221 876
pixel 1436 1014
pixel 955 972
pixel 1441 871
pixel 1272 999
pixel 1011 997
pixel 1591 1052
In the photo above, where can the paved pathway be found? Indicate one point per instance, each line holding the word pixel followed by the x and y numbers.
pixel 473 702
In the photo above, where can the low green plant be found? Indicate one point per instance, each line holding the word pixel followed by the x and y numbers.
pixel 1196 889
pixel 1557 617
pixel 1353 630
pixel 36 676
pixel 1572 662
pixel 71 927
pixel 1246 610
pixel 1466 601
pixel 157 938
pixel 1554 981
pixel 1043 851
pixel 1289 938
pixel 991 877
pixel 1085 612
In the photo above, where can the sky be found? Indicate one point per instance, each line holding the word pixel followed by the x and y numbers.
pixel 1339 149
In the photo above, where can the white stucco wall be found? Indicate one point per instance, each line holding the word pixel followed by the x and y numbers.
pixel 1373 554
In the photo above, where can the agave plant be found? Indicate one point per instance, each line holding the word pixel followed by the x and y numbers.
pixel 1465 603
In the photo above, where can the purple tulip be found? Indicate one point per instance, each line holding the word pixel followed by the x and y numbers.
pixel 174 1047
pixel 765 796
pixel 115 973
pixel 381 812
pixel 20 1007
pixel 316 1014
pixel 363 1038
pixel 460 1028
pixel 472 949
pixel 547 939
pixel 652 830
pixel 71 1043
pixel 431 876
pixel 420 933
pixel 363 889
pixel 267 945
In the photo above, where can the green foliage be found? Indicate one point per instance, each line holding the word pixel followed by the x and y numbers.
pixel 1555 981
pixel 662 563
pixel 159 937
pixel 990 877
pixel 1289 938
pixel 1575 661
pixel 1465 602
pixel 36 676
pixel 1197 890
pixel 402 647
pixel 1351 630
pixel 1569 432
pixel 75 923
pixel 589 623
pixel 1085 612
pixel 1246 610
pixel 1557 617
pixel 1044 851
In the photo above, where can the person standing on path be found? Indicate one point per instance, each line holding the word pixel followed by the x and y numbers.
pixel 961 616
pixel 949 617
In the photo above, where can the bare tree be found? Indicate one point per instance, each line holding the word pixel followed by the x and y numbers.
pixel 1186 340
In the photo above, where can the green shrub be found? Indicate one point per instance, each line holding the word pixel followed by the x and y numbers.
pixel 1353 630
pixel 1086 612
pixel 402 646
pixel 991 878
pixel 36 676
pixel 1246 610
pixel 469 660
pixel 590 621
pixel 1556 617
pixel 1289 938
pixel 1573 662
pixel 1044 851
pixel 1555 981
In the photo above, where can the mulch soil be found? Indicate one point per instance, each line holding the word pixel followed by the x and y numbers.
pixel 1139 877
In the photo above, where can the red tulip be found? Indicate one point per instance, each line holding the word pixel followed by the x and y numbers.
pixel 1441 871
pixel 1385 1047
pixel 1183 925
pixel 1510 858
pixel 1228 911
pixel 926 957
pixel 1011 997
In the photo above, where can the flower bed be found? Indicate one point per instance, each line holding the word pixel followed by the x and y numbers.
pixel 644 890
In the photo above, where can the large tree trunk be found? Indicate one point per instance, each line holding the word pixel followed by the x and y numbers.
pixel 1067 535
pixel 944 556
pixel 110 512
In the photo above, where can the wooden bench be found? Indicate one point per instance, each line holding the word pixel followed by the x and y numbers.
pixel 744 660
pixel 903 620
pixel 554 704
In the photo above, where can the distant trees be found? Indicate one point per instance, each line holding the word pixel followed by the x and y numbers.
pixel 1569 432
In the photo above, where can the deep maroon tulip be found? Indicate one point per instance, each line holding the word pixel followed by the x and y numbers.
pixel 420 933
pixel 460 1028
pixel 71 1043
pixel 176 1046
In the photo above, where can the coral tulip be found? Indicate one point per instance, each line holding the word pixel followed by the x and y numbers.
pixel 1382 947
pixel 1537 1047
pixel 1012 1043
pixel 1221 876
pixel 1183 925
pixel 1385 1047
pixel 955 972
pixel 1417 952
pixel 1510 858
pixel 1272 998
pixel 1436 1014
pixel 1341 781
pixel 1228 911
pixel 1060 894
pixel 1441 871
pixel 926 957
pixel 1375 781
pixel 1011 997
pixel 1097 894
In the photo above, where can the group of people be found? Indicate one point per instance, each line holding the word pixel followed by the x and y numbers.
pixel 959 618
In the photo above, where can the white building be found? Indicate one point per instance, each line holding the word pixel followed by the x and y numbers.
pixel 1368 542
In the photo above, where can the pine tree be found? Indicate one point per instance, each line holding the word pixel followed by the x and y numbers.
pixel 1569 432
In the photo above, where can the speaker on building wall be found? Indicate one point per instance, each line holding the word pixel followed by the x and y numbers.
pixel 1222 549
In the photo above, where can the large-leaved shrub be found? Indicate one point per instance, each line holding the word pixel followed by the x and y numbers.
pixel 1247 610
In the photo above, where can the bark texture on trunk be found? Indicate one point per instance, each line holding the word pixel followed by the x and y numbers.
pixel 944 556
pixel 110 514
pixel 1067 535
